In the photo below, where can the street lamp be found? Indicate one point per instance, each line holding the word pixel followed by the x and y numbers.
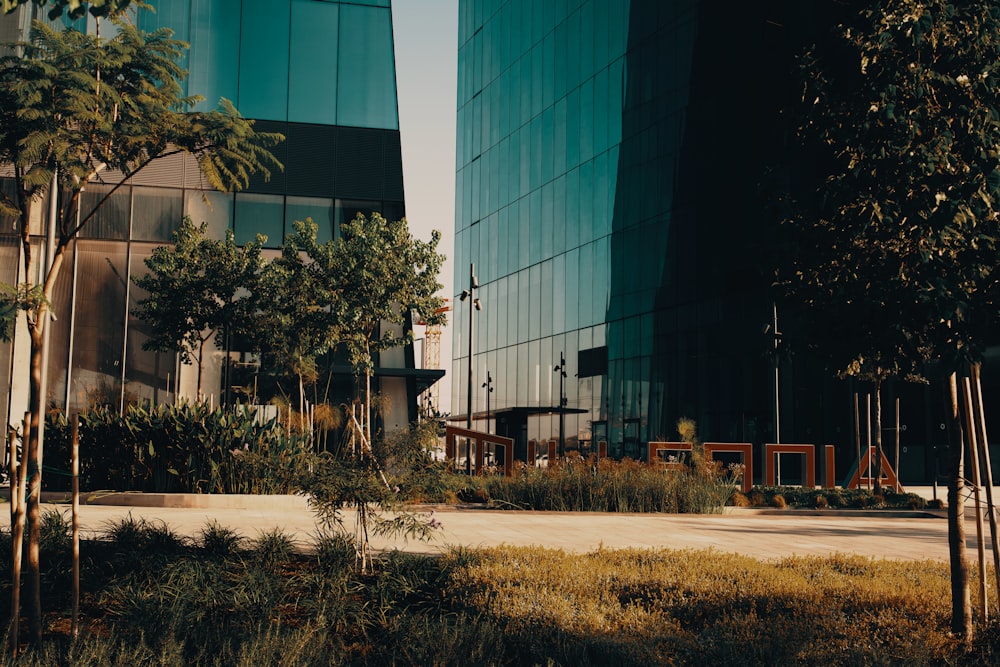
pixel 474 305
pixel 488 386
pixel 561 370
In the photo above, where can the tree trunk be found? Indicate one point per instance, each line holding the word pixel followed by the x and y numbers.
pixel 31 459
pixel 961 606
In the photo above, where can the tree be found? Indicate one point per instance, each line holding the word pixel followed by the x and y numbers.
pixel 198 290
pixel 900 125
pixel 383 275
pixel 72 105
pixel 295 309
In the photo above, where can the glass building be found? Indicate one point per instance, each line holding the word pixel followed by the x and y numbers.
pixel 610 155
pixel 320 72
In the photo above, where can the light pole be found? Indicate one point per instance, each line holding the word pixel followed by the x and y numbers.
pixel 488 386
pixel 561 370
pixel 474 305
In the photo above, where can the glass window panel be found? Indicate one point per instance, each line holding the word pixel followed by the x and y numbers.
pixel 559 294
pixel 312 83
pixel 545 219
pixel 545 294
pixel 111 220
pixel 537 226
pixel 559 221
pixel 99 325
pixel 534 301
pixel 513 308
pixel 524 233
pixel 548 67
pixel 586 128
pixel 215 51
pixel 319 209
pixel 147 373
pixel 259 214
pixel 573 129
pixel 214 208
pixel 572 209
pixel 572 286
pixel 157 213
pixel 366 85
pixel 264 60
pixel 546 147
pixel 524 305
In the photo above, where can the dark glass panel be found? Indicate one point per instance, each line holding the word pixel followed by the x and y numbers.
pixel 157 213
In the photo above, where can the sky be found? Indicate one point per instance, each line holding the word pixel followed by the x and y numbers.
pixel 426 42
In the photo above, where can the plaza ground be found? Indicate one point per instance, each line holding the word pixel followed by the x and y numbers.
pixel 760 533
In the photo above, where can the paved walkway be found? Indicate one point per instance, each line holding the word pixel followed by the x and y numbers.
pixel 916 536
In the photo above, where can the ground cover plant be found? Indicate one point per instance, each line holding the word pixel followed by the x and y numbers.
pixel 152 597
pixel 802 497
pixel 587 485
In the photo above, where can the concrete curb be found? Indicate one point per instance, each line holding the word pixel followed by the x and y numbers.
pixel 176 500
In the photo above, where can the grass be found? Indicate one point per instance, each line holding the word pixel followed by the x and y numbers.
pixel 583 485
pixel 152 598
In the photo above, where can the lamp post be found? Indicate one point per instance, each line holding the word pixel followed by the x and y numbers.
pixel 561 370
pixel 474 305
pixel 488 386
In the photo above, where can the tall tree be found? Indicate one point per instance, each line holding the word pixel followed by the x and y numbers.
pixel 383 275
pixel 295 309
pixel 198 290
pixel 72 105
pixel 898 233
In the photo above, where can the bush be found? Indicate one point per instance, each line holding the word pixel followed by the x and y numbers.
pixel 187 448
pixel 778 501
pixel 577 484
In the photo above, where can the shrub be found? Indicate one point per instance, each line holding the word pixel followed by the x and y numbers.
pixel 738 499
pixel 821 501
pixel 188 448
pixel 757 499
pixel 778 501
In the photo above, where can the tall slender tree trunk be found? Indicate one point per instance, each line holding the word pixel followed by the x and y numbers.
pixel 32 460
pixel 961 605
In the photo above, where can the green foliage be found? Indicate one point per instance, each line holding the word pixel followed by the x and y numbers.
pixel 198 290
pixel 575 484
pixel 187 448
pixel 384 275
pixel 892 243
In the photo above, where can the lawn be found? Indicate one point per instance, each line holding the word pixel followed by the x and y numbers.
pixel 153 598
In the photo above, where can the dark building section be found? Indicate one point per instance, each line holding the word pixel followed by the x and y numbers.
pixel 618 171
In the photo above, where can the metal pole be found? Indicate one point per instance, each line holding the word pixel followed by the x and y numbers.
pixel 562 403
pixel 474 305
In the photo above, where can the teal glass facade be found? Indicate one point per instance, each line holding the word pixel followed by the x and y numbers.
pixel 608 154
pixel 321 72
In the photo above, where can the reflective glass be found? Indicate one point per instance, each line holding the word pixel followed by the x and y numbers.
pixel 264 60
pixel 214 208
pixel 111 219
pixel 157 212
pixel 100 313
pixel 259 214
pixel 215 46
pixel 312 84
pixel 366 82
pixel 318 209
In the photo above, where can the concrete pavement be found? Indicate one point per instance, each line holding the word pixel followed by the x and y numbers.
pixel 771 534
